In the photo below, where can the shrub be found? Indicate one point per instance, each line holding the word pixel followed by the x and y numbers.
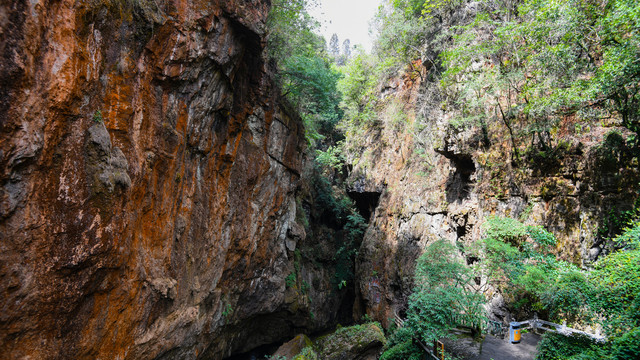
pixel 443 291
pixel 406 350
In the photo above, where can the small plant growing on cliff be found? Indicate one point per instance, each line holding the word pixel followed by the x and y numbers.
pixel 97 117
pixel 290 280
pixel 342 284
pixel 305 287
pixel 227 310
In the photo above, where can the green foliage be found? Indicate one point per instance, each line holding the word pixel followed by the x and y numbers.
pixel 336 207
pixel 568 294
pixel 97 117
pixel 330 159
pixel 517 260
pixel 290 280
pixel 442 292
pixel 305 287
pixel 227 310
pixel 358 89
pixel 554 58
pixel 618 77
pixel 630 237
pixel 506 230
pixel 400 32
pixel 541 237
pixel 366 318
pixel 341 212
pixel 291 29
pixel 404 27
pixel 617 282
pixel 342 284
pixel 626 346
pixel 620 225
pixel 353 232
pixel 310 83
pixel 305 71
pixel 608 295
pixel 278 357
pixel 406 350
pixel 307 354
pixel 560 347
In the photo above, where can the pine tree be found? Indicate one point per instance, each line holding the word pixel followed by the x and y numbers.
pixel 334 46
pixel 346 51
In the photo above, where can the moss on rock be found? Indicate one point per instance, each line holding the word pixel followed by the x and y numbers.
pixel 354 342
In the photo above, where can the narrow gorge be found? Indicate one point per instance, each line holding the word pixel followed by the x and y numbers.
pixel 206 179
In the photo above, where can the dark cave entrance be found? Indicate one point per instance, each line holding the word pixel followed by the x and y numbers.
pixel 366 202
pixel 459 184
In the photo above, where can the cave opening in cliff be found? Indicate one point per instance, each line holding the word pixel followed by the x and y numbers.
pixel 261 352
pixel 459 184
pixel 366 202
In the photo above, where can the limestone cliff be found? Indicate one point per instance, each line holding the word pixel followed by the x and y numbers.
pixel 425 179
pixel 147 185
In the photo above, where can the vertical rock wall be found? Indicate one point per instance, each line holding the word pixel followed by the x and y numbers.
pixel 439 182
pixel 147 181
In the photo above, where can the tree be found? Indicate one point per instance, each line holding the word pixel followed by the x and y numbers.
pixel 346 51
pixel 334 46
pixel 618 78
pixel 443 292
pixel 304 68
pixel 555 58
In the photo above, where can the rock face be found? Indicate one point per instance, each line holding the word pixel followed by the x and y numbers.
pixel 148 171
pixel 429 180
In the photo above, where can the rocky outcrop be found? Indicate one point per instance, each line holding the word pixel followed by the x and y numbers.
pixel 436 180
pixel 292 347
pixel 358 342
pixel 148 173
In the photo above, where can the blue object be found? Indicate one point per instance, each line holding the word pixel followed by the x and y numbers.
pixel 514 332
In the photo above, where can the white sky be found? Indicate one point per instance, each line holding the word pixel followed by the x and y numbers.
pixel 347 18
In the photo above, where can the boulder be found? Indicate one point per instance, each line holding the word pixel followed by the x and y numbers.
pixel 359 342
pixel 293 347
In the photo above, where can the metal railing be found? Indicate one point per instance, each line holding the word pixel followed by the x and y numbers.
pixel 563 329
pixel 485 325
pixel 490 326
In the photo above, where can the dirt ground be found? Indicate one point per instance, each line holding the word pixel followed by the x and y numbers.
pixel 494 348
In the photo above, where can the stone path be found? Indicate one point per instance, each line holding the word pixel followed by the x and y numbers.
pixel 494 348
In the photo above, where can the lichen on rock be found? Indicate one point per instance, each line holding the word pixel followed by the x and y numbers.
pixel 107 167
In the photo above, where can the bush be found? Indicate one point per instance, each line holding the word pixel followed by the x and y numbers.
pixel 443 291
pixel 608 295
pixel 507 230
pixel 406 350
pixel 555 346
